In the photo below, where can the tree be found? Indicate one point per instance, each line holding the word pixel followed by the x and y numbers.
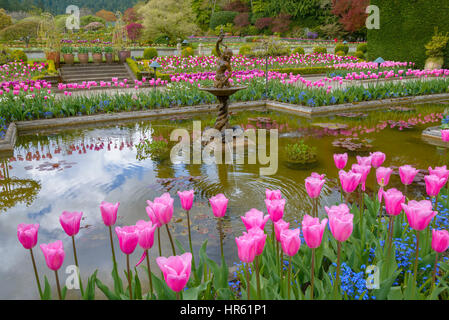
pixel 5 20
pixel 351 13
pixel 172 18
pixel 108 16
pixel 202 10
pixel 131 15
pixel 242 20
pixel 237 6
pixel 281 23
pixel 134 31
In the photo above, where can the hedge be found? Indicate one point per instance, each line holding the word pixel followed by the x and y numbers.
pixel 135 69
pixel 405 27
pixel 221 18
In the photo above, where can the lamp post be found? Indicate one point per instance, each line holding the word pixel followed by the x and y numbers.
pixel 378 61
pixel 155 65
pixel 266 70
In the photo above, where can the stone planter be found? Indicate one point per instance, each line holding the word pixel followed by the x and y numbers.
pixel 55 56
pixel 123 55
pixel 109 57
pixel 97 58
pixel 69 58
pixel 434 63
pixel 83 58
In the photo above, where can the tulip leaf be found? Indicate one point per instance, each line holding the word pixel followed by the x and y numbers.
pixel 47 290
pixel 118 285
pixel 63 292
pixel 137 288
pixel 193 293
pixel 395 293
pixel 385 286
pixel 162 290
pixel 89 293
pixel 108 293
pixel 180 247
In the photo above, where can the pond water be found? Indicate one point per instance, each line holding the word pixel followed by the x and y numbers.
pixel 75 170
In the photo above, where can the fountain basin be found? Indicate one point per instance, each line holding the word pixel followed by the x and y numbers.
pixel 222 92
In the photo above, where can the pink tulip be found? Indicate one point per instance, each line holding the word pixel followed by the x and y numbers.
pixel 290 241
pixel 341 160
pixel 383 176
pixel 161 209
pixel 128 237
pixel 246 246
pixel 146 234
pixel 275 209
pixel 54 254
pixel 440 240
pixel 407 174
pixel 176 270
pixel 109 212
pixel 259 239
pixel 364 161
pixel 349 180
pixel 377 159
pixel 393 201
pixel 445 135
pixel 313 231
pixel 317 176
pixel 313 186
pixel 219 204
pixel 340 221
pixel 27 234
pixel 255 218
pixel 70 222
pixel 273 194
pixel 186 199
pixel 419 213
pixel 441 172
pixel 364 171
pixel 279 226
pixel 434 184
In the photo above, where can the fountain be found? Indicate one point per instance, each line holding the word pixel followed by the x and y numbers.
pixel 222 88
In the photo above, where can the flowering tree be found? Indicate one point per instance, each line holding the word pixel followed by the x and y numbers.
pixel 106 15
pixel 242 20
pixel 134 31
pixel 351 13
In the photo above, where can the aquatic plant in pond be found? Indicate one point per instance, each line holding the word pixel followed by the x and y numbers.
pixel 356 238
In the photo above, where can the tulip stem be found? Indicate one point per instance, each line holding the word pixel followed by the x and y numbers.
pixel 289 276
pixel 220 232
pixel 129 278
pixel 77 265
pixel 112 245
pixel 159 241
pixel 416 256
pixel 57 285
pixel 256 261
pixel 390 235
pixel 35 273
pixel 435 271
pixel 177 296
pixel 171 240
pixel 281 264
pixel 312 275
pixel 247 281
pixel 149 273
pixel 337 278
pixel 190 239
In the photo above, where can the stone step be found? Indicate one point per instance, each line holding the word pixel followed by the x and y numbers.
pixel 96 79
pixel 97 75
pixel 81 70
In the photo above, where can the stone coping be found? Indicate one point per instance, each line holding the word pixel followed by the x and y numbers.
pixel 60 124
pixel 432 135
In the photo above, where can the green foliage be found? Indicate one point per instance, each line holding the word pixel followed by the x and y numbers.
pixel 5 19
pixel 108 50
pixel 5 55
pixel 245 49
pixel 67 50
pixel 222 18
pixel 437 45
pixel 133 66
pixel 97 50
pixel 85 20
pixel 19 55
pixel 149 53
pixel 406 28
pixel 359 54
pixel 319 50
pixel 309 70
pixel 187 52
pixel 341 47
pixel 157 150
pixel 362 47
pixel 301 153
pixel 83 50
pixel 19 30
pixel 299 50
pixel 340 53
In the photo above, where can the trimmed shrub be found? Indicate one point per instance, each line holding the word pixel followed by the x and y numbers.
pixel 319 50
pixel 341 47
pixel 362 47
pixel 149 53
pixel 18 55
pixel 187 52
pixel 222 18
pixel 359 54
pixel 406 28
pixel 340 53
pixel 299 50
pixel 302 71
pixel 244 50
pixel 19 30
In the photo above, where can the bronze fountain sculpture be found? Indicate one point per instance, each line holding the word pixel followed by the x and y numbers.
pixel 222 87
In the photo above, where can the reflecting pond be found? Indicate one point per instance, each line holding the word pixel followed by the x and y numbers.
pixel 77 169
